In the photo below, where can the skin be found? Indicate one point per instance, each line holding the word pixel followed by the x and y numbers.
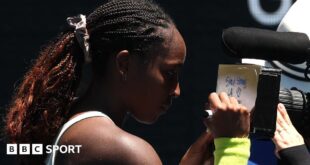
pixel 146 91
pixel 286 135
pixel 230 119
pixel 156 85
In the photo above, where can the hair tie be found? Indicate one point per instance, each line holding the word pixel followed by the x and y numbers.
pixel 79 24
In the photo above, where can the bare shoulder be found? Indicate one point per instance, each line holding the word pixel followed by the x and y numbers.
pixel 103 142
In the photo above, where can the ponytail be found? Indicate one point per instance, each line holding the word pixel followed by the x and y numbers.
pixel 42 102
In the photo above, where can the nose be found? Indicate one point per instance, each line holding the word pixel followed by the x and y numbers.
pixel 176 91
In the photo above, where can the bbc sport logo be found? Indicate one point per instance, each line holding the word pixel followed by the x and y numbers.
pixel 38 149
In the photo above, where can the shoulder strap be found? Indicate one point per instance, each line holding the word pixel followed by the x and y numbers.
pixel 85 115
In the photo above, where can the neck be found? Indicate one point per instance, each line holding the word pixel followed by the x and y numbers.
pixel 103 98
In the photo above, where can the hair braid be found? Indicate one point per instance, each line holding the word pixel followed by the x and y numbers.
pixel 125 24
pixel 42 101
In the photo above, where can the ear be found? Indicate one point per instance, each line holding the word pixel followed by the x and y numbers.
pixel 122 63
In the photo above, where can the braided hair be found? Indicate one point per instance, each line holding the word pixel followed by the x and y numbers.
pixel 41 104
pixel 125 24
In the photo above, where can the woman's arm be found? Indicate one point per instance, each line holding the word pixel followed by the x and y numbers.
pixel 230 127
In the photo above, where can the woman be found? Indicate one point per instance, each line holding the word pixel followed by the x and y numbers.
pixel 136 53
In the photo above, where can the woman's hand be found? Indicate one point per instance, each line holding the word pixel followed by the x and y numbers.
pixel 285 135
pixel 230 119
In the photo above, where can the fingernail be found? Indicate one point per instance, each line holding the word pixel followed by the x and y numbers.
pixel 281 106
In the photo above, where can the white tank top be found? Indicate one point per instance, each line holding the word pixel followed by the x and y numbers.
pixel 51 157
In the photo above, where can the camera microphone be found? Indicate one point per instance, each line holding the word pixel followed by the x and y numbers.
pixel 242 42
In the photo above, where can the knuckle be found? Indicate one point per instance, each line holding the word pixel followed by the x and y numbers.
pixel 233 99
pixel 224 107
pixel 223 94
pixel 243 108
pixel 231 107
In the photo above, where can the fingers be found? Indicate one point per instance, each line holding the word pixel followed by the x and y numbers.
pixel 224 98
pixel 230 119
pixel 215 101
pixel 244 109
pixel 234 101
pixel 222 101
pixel 285 137
pixel 281 123
pixel 284 114
pixel 277 154
pixel 280 131
pixel 278 138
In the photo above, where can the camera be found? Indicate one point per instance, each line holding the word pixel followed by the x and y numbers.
pixel 297 104
pixel 258 87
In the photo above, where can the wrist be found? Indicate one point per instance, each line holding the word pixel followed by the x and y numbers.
pixel 231 149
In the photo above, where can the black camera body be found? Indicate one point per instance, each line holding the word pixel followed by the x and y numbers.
pixel 289 47
pixel 257 88
pixel 261 86
pixel 297 104
pixel 264 114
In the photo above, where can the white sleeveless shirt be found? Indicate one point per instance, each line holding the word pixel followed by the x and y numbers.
pixel 51 157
